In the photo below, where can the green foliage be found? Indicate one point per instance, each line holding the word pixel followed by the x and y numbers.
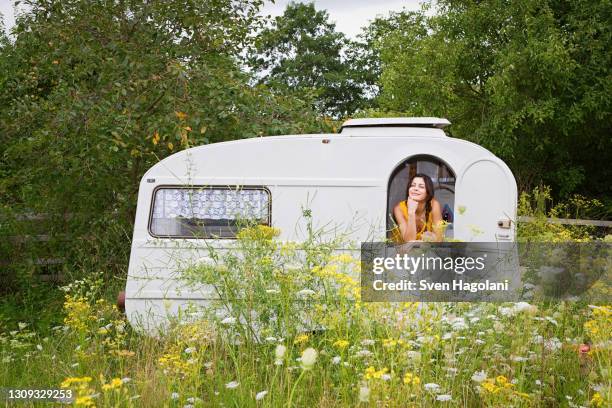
pixel 539 205
pixel 94 93
pixel 302 52
pixel 530 80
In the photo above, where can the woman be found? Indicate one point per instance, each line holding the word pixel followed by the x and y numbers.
pixel 419 217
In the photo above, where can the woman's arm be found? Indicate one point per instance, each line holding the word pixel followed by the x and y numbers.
pixel 438 223
pixel 407 227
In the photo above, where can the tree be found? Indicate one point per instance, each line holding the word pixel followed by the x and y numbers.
pixel 302 53
pixel 528 79
pixel 95 92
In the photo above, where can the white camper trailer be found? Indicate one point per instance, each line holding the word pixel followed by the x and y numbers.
pixel 350 182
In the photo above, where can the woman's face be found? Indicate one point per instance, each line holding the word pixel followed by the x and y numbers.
pixel 417 190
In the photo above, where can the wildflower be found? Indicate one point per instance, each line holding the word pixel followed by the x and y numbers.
pixel 22 325
pixel 114 384
pixel 232 385
pixel 364 393
pixel 39 347
pixel 302 338
pixel 413 355
pixel 444 397
pixel 363 353
pixel 341 344
pixel 68 382
pixel 597 400
pixel 503 381
pixel 411 379
pixel 229 320
pixel 371 373
pixel 306 292
pixel 279 353
pixel 367 342
pixel 479 376
pixel 175 395
pixel 85 400
pixel 553 344
pixel 336 360
pixel 389 343
pixel 432 387
pixel 190 350
pixel 260 395
pixel 309 357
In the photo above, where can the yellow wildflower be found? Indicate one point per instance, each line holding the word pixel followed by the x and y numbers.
pixel 371 372
pixel 597 400
pixel 74 380
pixel 85 401
pixel 341 344
pixel 411 379
pixel 302 338
pixel 114 384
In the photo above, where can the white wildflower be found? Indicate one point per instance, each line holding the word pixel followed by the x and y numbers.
pixel 309 357
pixel 39 347
pixel 232 385
pixel 363 353
pixel 553 344
pixel 190 350
pixel 260 395
pixel 22 325
pixel 306 292
pixel 367 342
pixel 336 360
pixel 364 393
pixel 228 320
pixel 279 354
pixel 175 395
pixel 432 387
pixel 444 397
pixel 479 376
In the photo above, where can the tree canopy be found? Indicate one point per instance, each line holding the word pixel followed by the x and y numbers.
pixel 529 79
pixel 302 52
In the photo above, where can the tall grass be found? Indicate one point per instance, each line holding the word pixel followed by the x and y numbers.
pixel 295 333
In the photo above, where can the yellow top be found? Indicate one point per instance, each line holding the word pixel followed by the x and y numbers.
pixel 396 235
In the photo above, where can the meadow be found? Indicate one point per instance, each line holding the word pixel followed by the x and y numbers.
pixel 316 343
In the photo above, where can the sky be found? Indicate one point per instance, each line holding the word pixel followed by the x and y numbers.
pixel 349 15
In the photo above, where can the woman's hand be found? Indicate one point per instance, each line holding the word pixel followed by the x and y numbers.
pixel 412 206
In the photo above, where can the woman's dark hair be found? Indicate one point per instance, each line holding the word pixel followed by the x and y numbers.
pixel 429 188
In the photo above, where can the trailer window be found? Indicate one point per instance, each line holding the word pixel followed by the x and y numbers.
pixel 207 212
pixel 443 178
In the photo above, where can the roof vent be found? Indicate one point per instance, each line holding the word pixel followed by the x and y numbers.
pixel 392 126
